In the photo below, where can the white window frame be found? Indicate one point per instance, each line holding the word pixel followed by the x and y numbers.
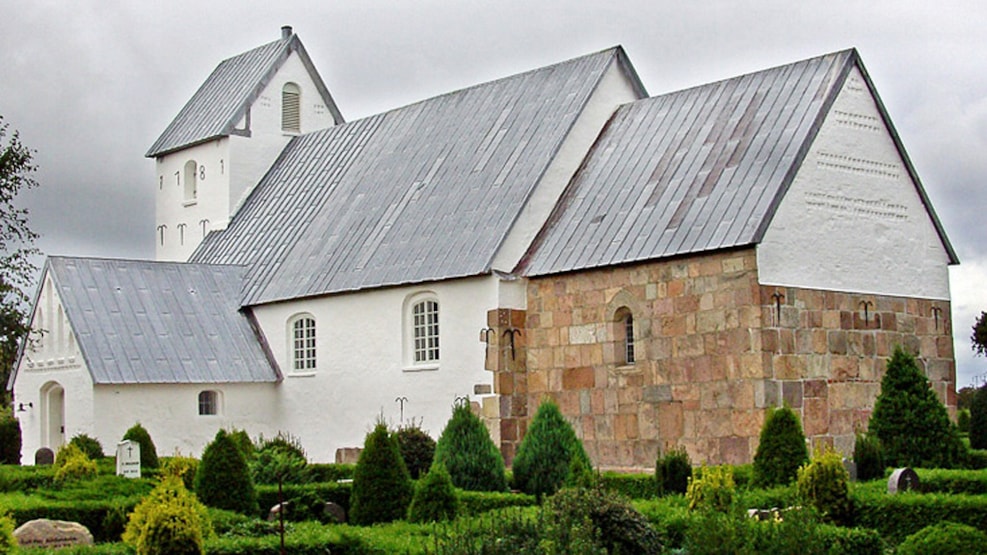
pixel 302 349
pixel 423 331
pixel 209 398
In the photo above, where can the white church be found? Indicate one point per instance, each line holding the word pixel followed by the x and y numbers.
pixel 552 233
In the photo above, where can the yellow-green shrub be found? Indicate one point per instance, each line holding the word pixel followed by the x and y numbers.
pixel 71 465
pixel 169 521
pixel 713 489
pixel 183 468
pixel 8 543
pixel 825 484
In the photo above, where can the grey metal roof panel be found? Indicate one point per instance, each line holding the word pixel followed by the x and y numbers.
pixel 421 193
pixel 159 322
pixel 226 95
pixel 690 171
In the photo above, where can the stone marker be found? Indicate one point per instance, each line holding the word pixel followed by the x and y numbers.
pixel 336 512
pixel 272 515
pixel 44 457
pixel 851 469
pixel 348 455
pixel 52 533
pixel 129 459
pixel 902 479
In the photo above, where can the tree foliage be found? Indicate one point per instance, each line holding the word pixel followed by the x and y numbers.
pixel 16 246
pixel 382 488
pixel 979 336
pixel 417 449
pixel 978 419
pixel 435 498
pixel 10 437
pixel 781 449
pixel 468 453
pixel 223 479
pixel 912 425
pixel 149 455
pixel 546 453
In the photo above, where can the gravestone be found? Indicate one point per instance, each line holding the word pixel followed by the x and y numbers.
pixel 851 469
pixel 52 533
pixel 335 512
pixel 275 511
pixel 902 479
pixel 129 459
pixel 44 457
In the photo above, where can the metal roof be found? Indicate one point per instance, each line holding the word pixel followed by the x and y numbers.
pixel 159 322
pixel 421 193
pixel 691 171
pixel 227 94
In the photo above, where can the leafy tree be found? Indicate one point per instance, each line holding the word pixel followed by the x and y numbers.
pixel 545 455
pixel 382 488
pixel 417 449
pixel 149 455
pixel 468 453
pixel 10 437
pixel 781 449
pixel 279 458
pixel 912 425
pixel 979 336
pixel 16 247
pixel 978 419
pixel 223 479
pixel 964 397
pixel 89 445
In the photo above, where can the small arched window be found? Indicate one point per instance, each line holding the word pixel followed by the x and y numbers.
pixel 303 343
pixel 208 403
pixel 191 181
pixel 625 335
pixel 291 118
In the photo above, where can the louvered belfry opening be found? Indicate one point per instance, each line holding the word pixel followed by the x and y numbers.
pixel 291 119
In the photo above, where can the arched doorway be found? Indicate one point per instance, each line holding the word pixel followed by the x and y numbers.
pixel 52 415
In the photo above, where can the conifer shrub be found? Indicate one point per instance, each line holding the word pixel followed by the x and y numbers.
pixel 149 455
pixel 944 538
pixel 869 457
pixel 183 468
pixel 72 465
pixel 223 479
pixel 824 483
pixel 10 438
pixel 912 425
pixel 544 458
pixel 963 421
pixel 279 458
pixel 781 449
pixel 672 472
pixel 435 498
pixel 712 490
pixel 8 543
pixel 978 419
pixel 594 520
pixel 88 445
pixel 417 449
pixel 169 521
pixel 382 488
pixel 242 440
pixel 468 453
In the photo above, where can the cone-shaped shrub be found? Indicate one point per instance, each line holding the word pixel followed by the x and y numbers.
pixel 90 446
pixel 223 479
pixel 781 450
pixel 545 455
pixel 466 450
pixel 824 484
pixel 978 419
pixel 10 438
pixel 869 456
pixel 912 425
pixel 149 455
pixel 672 472
pixel 382 488
pixel 435 498
pixel 169 521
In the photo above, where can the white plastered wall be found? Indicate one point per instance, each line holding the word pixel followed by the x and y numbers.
pixel 232 165
pixel 613 90
pixel 363 365
pixel 853 219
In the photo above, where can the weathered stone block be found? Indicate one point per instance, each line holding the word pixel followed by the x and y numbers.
pixel 791 392
pixel 657 394
pixel 815 417
pixel 734 450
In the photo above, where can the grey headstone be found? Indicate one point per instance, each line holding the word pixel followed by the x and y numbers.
pixel 902 479
pixel 129 459
pixel 851 469
pixel 335 512
pixel 52 533
pixel 275 512
pixel 44 457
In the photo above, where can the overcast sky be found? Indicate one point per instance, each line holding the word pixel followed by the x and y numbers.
pixel 90 84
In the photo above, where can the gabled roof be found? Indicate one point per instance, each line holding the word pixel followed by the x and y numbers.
pixel 159 322
pixel 227 94
pixel 696 170
pixel 421 193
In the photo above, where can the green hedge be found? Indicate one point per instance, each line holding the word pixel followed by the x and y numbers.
pixel 973 482
pixel 321 472
pixel 896 517
pixel 307 501
pixel 632 486
pixel 479 502
pixel 25 478
pixel 105 519
pixel 309 538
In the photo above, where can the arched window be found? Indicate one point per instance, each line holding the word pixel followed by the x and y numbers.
pixel 625 335
pixel 425 331
pixel 191 186
pixel 208 403
pixel 291 118
pixel 303 343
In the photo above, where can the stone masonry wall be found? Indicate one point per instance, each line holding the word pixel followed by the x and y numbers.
pixel 714 350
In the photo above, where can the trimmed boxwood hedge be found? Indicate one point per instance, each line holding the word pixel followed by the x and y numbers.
pixel 896 517
pixel 479 502
pixel 972 482
pixel 306 501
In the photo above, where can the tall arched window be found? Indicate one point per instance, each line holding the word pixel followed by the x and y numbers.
pixel 191 185
pixel 291 117
pixel 303 343
pixel 625 335
pixel 425 331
